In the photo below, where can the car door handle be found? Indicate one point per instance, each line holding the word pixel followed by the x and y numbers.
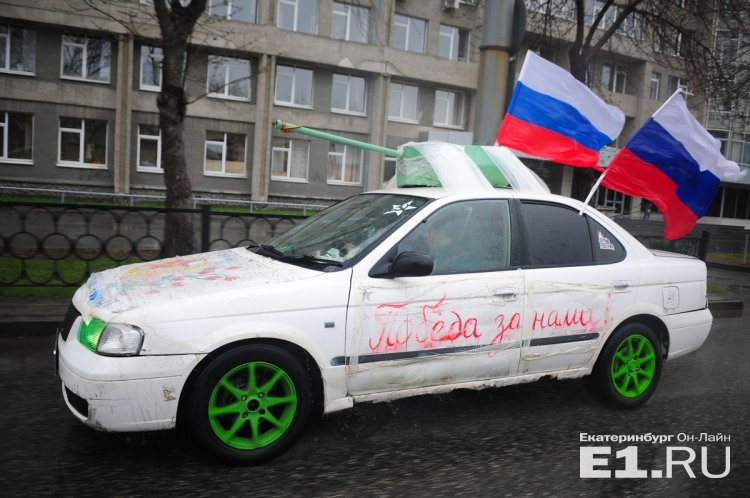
pixel 509 294
pixel 621 285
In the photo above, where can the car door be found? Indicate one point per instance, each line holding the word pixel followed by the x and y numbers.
pixel 460 323
pixel 576 281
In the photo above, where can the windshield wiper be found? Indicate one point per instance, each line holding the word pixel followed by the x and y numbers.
pixel 322 261
pixel 268 250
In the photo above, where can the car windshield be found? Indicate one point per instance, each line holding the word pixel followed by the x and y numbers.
pixel 344 230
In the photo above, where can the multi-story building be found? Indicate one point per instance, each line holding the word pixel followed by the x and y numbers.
pixel 78 88
pixel 79 81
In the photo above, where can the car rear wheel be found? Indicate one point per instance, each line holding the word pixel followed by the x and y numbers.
pixel 629 367
pixel 251 404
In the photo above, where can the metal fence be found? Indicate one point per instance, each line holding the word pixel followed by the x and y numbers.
pixel 60 245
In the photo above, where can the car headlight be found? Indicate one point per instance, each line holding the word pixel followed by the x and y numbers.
pixel 111 339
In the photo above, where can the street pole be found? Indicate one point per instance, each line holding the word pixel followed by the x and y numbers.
pixel 504 26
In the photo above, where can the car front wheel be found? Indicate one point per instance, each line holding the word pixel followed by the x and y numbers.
pixel 250 404
pixel 629 367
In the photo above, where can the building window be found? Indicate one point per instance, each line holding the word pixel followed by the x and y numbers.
pixel 453 43
pixel 723 137
pixel 408 33
pixel 345 163
pixel 294 86
pixel 348 94
pixel 389 168
pixel 289 159
pixel 151 60
pixel 350 23
pixel 225 154
pixel 727 45
pixel 86 58
pixel 83 143
pixel 402 102
pixel 298 15
pixel 544 51
pixel 17 49
pixel 676 83
pixel 613 78
pixel 235 10
pixel 16 136
pixel 653 92
pixel 741 148
pixel 149 149
pixel 228 78
pixel 449 109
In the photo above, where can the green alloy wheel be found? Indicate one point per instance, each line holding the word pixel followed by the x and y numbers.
pixel 628 369
pixel 633 366
pixel 251 404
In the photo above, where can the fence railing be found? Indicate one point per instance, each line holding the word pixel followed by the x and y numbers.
pixel 60 245
pixel 131 199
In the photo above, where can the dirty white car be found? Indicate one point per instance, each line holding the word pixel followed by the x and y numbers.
pixel 473 276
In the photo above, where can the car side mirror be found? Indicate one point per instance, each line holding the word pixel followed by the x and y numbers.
pixel 407 264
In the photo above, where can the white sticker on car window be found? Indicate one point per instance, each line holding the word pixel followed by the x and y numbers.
pixel 605 244
pixel 398 209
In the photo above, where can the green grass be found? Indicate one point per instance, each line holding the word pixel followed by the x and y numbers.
pixel 713 289
pixel 41 269
pixel 731 258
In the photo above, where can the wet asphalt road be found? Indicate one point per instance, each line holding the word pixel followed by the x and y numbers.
pixel 514 441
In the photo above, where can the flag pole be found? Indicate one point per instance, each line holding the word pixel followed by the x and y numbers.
pixel 591 193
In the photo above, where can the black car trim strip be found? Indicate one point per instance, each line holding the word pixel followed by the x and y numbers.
pixel 563 339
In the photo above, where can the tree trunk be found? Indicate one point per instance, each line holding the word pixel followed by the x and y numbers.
pixel 176 22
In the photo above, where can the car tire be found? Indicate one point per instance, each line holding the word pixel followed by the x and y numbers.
pixel 250 404
pixel 628 368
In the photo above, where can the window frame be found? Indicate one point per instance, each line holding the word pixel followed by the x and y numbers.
pixel 278 102
pixel 449 109
pixel 81 164
pixel 349 16
pixel 655 78
pixel 152 49
pixel 226 65
pixel 295 20
pixel 85 62
pixel 228 4
pixel 615 71
pixel 347 110
pixel 456 33
pixel 400 118
pixel 224 150
pixel 290 150
pixel 8 49
pixel 407 26
pixel 5 130
pixel 342 169
pixel 159 168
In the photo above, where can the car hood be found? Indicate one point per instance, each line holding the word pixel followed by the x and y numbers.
pixel 144 284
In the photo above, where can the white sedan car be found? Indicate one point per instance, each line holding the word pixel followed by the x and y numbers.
pixel 463 272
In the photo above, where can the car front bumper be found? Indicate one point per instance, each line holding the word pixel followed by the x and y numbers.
pixel 138 393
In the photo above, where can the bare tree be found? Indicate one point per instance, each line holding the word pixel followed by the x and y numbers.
pixel 676 34
pixel 176 22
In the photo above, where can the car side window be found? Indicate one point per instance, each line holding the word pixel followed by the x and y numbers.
pixel 464 237
pixel 555 235
pixel 607 249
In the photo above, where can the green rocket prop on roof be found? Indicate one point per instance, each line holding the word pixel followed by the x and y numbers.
pixel 437 164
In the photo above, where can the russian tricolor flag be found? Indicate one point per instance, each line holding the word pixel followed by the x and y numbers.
pixel 675 163
pixel 553 116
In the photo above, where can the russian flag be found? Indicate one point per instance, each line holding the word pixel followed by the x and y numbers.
pixel 675 163
pixel 553 116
